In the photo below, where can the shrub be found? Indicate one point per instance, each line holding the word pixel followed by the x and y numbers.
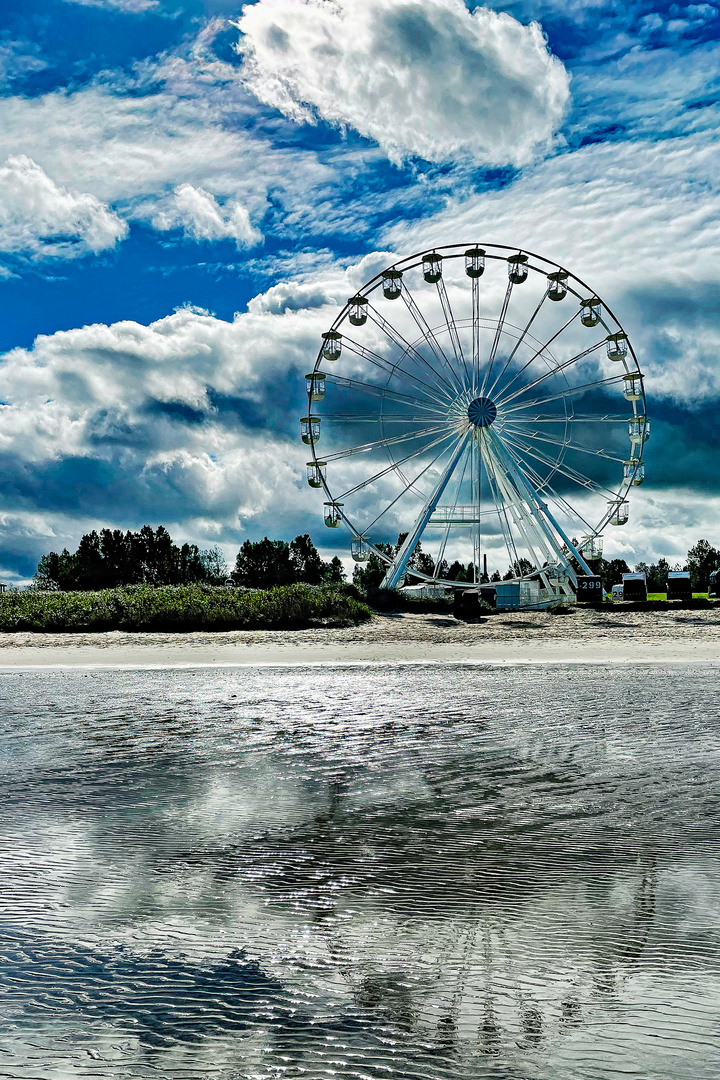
pixel 179 608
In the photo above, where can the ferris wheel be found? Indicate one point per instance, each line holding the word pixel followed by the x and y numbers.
pixel 482 400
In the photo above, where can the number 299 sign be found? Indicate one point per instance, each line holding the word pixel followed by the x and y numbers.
pixel 589 588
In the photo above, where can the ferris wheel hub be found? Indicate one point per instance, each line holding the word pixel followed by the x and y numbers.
pixel 482 411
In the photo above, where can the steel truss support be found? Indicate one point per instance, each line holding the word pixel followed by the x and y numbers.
pixel 396 571
pixel 540 513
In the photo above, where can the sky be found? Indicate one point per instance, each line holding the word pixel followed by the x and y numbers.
pixel 190 190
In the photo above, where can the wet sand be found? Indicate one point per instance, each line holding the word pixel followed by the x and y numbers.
pixel 580 636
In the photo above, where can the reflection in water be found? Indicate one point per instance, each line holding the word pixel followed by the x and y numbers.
pixel 387 872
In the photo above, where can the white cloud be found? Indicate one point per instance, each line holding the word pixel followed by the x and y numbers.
pixel 200 216
pixel 165 412
pixel 132 7
pixel 134 151
pixel 638 222
pixel 17 59
pixel 40 219
pixel 421 77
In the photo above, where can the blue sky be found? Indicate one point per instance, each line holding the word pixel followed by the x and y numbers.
pixel 187 191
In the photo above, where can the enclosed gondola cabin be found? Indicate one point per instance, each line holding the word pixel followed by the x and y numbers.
pixel 310 429
pixel 432 267
pixel 678 586
pixel 617 346
pixel 475 262
pixel 619 512
pixel 359 549
pixel 557 285
pixel 316 473
pixel 332 514
pixel 639 430
pixel 315 385
pixel 517 268
pixel 332 345
pixel 633 386
pixel 634 587
pixel 392 284
pixel 591 547
pixel 634 471
pixel 357 315
pixel 590 310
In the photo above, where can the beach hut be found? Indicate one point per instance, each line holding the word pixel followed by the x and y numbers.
pixel 678 585
pixel 634 587
pixel 589 589
pixel 714 585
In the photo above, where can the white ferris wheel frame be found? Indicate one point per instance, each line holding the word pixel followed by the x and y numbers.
pixel 520 495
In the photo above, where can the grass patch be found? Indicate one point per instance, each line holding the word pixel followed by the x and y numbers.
pixel 181 608
pixel 663 596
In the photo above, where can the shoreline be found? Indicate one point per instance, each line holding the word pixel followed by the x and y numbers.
pixel 528 638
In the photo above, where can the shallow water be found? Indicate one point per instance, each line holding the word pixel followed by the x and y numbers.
pixel 376 873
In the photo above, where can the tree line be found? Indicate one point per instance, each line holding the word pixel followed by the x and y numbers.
pixel 111 558
pixel 702 559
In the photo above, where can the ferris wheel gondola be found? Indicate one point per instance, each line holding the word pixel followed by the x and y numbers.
pixel 478 398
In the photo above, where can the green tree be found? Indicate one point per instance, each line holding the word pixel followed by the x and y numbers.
pixel 702 559
pixel 456 571
pixel 306 562
pixel 110 558
pixel 263 564
pixel 214 566
pixel 519 569
pixel 334 571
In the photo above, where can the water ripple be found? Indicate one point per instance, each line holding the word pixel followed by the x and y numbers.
pixel 375 873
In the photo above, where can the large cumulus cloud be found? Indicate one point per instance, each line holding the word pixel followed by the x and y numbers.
pixel 421 77
pixel 191 421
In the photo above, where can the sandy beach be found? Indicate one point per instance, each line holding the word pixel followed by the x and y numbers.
pixel 580 636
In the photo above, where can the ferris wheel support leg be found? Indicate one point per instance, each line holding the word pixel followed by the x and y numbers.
pixel 527 524
pixel 396 571
pixel 542 509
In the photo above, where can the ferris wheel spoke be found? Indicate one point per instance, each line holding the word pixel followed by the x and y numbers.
pixel 567 392
pixel 566 444
pixel 475 334
pixel 409 350
pixel 429 336
pixel 496 339
pixel 518 343
pixel 452 328
pixel 394 467
pixel 378 418
pixel 380 391
pixel 557 465
pixel 391 369
pixel 411 485
pixel 363 448
pixel 540 351
pixel 574 418
pixel 546 487
pixel 557 370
